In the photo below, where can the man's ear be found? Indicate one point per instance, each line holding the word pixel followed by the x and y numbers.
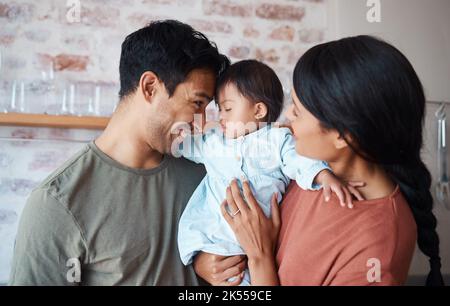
pixel 148 85
pixel 260 111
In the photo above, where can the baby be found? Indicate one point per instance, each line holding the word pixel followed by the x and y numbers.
pixel 250 98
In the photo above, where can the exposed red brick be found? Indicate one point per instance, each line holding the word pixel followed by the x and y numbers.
pixel 280 12
pixel 226 8
pixel 99 16
pixel 24 133
pixel 270 55
pixel 60 133
pixel 159 1
pixel 6 38
pixel 170 2
pixel 211 26
pixel 65 61
pixel 70 62
pixel 240 52
pixel 139 20
pixel 4 8
pixel 16 11
pixel 250 31
pixel 283 33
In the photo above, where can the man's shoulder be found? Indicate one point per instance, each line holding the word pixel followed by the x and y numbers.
pixel 186 173
pixel 188 167
pixel 70 171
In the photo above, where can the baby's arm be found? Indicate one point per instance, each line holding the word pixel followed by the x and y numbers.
pixel 314 174
pixel 190 147
pixel 302 169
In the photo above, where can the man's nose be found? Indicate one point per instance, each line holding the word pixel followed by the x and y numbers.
pixel 198 121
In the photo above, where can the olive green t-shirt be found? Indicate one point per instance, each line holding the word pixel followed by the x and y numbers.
pixel 97 222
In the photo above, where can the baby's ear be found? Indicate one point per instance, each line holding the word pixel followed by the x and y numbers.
pixel 260 110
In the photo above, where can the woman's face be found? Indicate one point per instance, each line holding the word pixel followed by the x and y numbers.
pixel 312 140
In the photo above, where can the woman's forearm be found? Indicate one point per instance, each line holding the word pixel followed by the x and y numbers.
pixel 256 233
pixel 263 271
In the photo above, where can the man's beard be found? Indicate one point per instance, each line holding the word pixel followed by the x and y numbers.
pixel 157 137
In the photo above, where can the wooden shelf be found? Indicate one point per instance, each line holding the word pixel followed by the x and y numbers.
pixel 54 121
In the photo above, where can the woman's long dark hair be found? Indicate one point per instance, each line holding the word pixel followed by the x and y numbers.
pixel 366 88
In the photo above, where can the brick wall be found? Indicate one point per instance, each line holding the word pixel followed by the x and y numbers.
pixel 37 35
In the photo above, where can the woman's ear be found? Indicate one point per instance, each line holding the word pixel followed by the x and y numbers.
pixel 340 141
pixel 148 85
pixel 260 111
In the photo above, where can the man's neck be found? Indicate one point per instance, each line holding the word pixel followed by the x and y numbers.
pixel 354 168
pixel 122 142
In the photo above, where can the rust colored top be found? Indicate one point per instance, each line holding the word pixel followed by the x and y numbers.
pixel 325 244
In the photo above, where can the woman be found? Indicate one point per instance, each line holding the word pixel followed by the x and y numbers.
pixel 359 105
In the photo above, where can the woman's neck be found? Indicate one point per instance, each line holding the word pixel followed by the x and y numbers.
pixel 354 168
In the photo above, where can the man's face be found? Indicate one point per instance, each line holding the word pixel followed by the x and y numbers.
pixel 172 113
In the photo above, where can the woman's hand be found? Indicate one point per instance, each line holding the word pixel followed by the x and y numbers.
pixel 216 269
pixel 256 233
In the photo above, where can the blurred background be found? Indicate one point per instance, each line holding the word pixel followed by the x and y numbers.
pixel 61 58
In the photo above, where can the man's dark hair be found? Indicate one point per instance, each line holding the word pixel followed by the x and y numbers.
pixel 171 50
pixel 258 83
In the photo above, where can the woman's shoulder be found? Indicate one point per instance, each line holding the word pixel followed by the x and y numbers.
pixel 381 229
pixel 370 224
pixel 388 216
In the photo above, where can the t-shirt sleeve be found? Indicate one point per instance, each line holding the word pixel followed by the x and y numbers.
pixel 49 247
pixel 299 168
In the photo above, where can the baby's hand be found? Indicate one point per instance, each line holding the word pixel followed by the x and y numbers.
pixel 344 191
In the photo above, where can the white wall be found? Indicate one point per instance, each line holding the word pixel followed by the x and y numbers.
pixel 421 30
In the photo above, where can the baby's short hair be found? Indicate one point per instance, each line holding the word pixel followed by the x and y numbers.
pixel 258 83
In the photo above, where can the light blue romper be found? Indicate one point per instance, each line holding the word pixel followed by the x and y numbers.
pixel 266 158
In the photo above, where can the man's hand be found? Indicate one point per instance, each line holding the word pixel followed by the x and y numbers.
pixel 216 269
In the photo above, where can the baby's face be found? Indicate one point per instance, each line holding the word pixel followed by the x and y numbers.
pixel 237 114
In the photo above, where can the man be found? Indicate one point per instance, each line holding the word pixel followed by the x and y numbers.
pixel 109 215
